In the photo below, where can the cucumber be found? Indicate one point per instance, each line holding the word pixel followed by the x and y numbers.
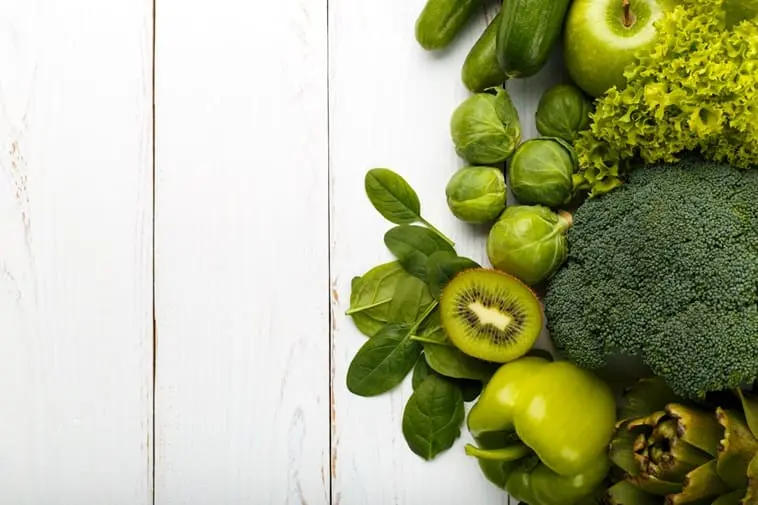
pixel 441 20
pixel 529 29
pixel 481 69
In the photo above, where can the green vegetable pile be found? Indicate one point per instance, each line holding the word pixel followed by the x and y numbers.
pixel 636 215
pixel 696 90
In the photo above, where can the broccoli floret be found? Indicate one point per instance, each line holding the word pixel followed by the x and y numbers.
pixel 665 268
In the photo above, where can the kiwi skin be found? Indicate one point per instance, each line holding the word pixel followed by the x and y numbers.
pixel 489 343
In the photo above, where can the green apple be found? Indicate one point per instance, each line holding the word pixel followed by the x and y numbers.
pixel 602 37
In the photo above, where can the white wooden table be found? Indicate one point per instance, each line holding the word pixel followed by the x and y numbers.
pixel 181 212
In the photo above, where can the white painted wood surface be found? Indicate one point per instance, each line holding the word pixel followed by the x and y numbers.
pixel 76 256
pixel 391 103
pixel 267 116
pixel 242 244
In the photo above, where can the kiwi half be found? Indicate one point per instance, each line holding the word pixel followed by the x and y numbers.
pixel 490 315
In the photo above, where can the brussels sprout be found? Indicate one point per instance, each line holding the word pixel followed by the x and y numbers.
pixel 476 194
pixel 529 242
pixel 485 127
pixel 541 172
pixel 563 111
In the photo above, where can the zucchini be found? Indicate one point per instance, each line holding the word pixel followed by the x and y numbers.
pixel 441 20
pixel 529 29
pixel 481 69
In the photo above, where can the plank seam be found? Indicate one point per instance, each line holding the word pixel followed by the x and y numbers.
pixel 154 198
pixel 332 449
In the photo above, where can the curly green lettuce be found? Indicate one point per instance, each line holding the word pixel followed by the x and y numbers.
pixel 696 90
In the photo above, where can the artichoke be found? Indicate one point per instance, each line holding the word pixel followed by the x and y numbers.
pixel 671 452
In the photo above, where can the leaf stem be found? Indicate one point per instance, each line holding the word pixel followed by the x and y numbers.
pixel 367 307
pixel 435 230
pixel 427 340
pixel 432 306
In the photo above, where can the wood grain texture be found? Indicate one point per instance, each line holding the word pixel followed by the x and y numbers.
pixel 242 286
pixel 75 262
pixel 390 107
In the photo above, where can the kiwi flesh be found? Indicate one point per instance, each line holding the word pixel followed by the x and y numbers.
pixel 490 315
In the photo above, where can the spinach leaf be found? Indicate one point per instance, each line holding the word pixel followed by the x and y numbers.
pixel 372 293
pixel 420 372
pixel 395 199
pixel 413 245
pixel 410 300
pixel 432 332
pixel 441 267
pixel 383 361
pixel 433 417
pixel 471 389
pixel 355 283
pixel 451 362
pixel 392 196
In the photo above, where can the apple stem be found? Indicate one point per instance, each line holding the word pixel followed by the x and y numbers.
pixel 628 21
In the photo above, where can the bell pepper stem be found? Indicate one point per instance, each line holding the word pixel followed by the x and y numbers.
pixel 511 453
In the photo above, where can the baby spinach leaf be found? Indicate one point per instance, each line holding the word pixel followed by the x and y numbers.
pixel 420 372
pixel 432 332
pixel 392 196
pixel 409 302
pixel 383 361
pixel 471 389
pixel 451 362
pixel 367 324
pixel 355 283
pixel 371 296
pixel 442 266
pixel 433 417
pixel 395 199
pixel 413 245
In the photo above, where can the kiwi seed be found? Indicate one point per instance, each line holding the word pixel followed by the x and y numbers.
pixel 490 315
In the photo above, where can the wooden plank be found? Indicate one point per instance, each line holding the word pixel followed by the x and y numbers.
pixel 242 253
pixel 391 106
pixel 75 264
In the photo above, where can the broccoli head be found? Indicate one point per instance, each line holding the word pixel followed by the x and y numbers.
pixel 665 268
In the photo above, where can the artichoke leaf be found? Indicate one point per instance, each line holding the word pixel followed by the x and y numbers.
pixel 621 451
pixel 701 485
pixel 626 493
pixel 697 428
pixel 644 397
pixel 736 450
pixel 681 459
pixel 650 420
pixel 656 486
pixel 751 496
pixel 733 498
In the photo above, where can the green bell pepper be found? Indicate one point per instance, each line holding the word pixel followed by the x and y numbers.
pixel 553 421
